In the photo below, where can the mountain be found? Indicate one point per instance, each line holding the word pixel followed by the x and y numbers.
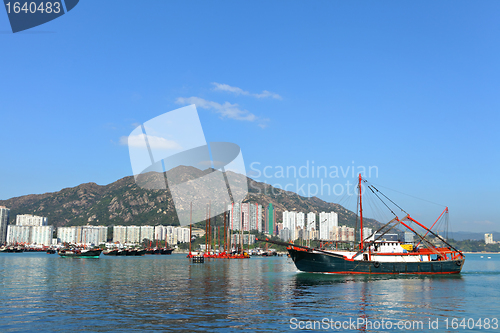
pixel 125 203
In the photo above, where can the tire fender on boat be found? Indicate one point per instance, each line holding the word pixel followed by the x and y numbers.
pixel 458 262
pixel 376 264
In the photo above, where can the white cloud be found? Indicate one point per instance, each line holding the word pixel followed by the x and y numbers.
pixel 226 110
pixel 239 91
pixel 226 87
pixel 155 142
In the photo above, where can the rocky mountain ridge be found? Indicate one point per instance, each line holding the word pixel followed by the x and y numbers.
pixel 124 203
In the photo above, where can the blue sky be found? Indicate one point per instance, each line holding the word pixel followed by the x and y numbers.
pixel 411 88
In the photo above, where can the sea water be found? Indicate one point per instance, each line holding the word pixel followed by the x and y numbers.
pixel 45 293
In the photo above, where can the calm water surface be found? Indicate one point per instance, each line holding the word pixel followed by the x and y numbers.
pixel 45 293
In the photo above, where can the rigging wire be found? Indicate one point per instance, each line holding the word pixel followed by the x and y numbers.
pixel 434 203
pixel 395 204
pixel 376 211
pixel 422 238
pixel 370 187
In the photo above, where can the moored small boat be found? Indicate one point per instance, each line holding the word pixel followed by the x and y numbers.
pixel 131 252
pixel 153 251
pixel 113 252
pixel 166 251
pixel 79 253
pixel 122 252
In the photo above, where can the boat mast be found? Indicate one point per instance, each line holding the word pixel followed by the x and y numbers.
pixel 206 229
pixel 190 226
pixel 210 227
pixel 360 216
pixel 241 231
pixel 225 233
pixel 230 217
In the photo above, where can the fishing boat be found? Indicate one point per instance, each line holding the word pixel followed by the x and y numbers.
pixel 112 252
pixel 377 255
pixel 125 252
pixel 131 252
pixel 79 253
pixel 122 252
pixel 166 251
pixel 152 251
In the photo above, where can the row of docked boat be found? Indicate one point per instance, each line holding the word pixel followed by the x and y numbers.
pixel 11 249
pixel 75 252
pixel 218 255
pixel 23 248
pixel 81 252
pixel 137 252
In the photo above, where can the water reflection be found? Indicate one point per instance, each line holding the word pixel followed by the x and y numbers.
pixel 377 297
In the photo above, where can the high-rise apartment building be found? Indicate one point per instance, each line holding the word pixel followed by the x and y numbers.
pixel 290 223
pixel 147 232
pixel 234 216
pixel 18 234
pixel 245 215
pixel 32 220
pixel 311 221
pixel 88 234
pixel 301 220
pixel 488 239
pixel 255 217
pixel 67 235
pixel 327 222
pixel 119 234
pixel 4 222
pixel 41 235
pixel 270 220
pixel 133 234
